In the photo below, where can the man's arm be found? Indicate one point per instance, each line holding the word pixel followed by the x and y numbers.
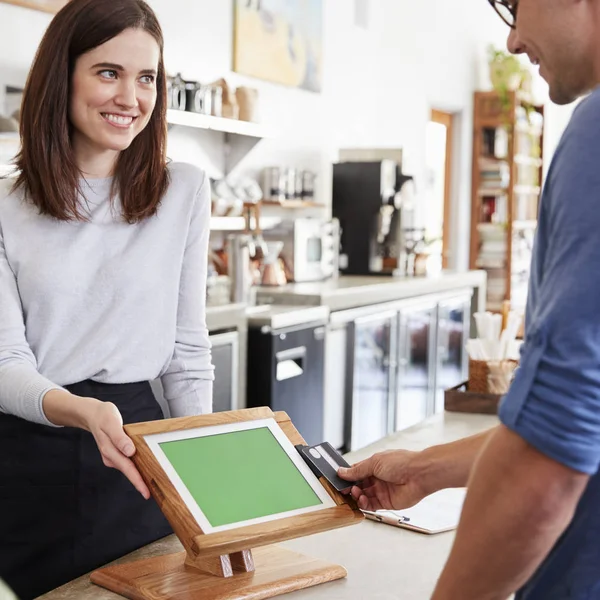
pixel 398 479
pixel 519 503
pixel 449 465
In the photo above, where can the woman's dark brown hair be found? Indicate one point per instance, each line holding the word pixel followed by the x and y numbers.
pixel 48 173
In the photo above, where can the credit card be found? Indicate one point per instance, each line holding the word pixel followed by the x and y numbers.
pixel 324 461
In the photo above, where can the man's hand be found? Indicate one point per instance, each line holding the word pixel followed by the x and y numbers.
pixel 388 481
pixel 398 479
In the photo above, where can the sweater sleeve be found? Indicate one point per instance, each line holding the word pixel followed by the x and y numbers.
pixel 22 388
pixel 188 380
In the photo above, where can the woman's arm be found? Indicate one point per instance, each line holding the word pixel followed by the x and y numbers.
pixel 22 388
pixel 188 380
pixel 25 393
pixel 103 420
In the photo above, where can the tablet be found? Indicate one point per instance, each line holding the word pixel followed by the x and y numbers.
pixel 238 474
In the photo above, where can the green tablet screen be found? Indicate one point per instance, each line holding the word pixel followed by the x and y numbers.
pixel 241 475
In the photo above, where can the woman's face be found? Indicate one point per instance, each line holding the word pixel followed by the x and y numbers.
pixel 113 92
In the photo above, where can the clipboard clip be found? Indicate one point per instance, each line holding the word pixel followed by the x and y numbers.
pixel 379 518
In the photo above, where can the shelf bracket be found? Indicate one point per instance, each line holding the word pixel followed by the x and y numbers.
pixel 236 148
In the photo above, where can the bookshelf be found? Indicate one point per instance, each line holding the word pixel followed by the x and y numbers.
pixel 506 187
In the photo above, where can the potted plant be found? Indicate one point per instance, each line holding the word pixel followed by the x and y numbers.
pixel 506 73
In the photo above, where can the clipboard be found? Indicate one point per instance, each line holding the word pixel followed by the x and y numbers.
pixel 438 513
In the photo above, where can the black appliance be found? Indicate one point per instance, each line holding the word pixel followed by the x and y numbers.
pixel 286 355
pixel 375 228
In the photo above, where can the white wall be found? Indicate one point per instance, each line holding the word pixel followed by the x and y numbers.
pixel 379 83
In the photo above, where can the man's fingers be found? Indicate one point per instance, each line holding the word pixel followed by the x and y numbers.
pixel 359 471
pixel 366 503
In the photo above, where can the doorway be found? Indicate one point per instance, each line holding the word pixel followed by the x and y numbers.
pixel 438 150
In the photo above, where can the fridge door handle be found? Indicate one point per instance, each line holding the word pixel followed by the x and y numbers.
pixel 290 363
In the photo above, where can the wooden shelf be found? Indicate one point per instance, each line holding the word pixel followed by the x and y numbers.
pixel 487 249
pixel 520 225
pixel 239 223
pixel 233 126
pixel 293 204
pixel 240 136
pixel 483 191
pixel 529 129
pixel 10 138
pixel 528 160
pixel 527 189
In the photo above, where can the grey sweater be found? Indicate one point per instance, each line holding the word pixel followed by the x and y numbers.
pixel 105 300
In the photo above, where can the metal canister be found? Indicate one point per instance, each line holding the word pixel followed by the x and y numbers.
pixel 291 184
pixel 239 267
pixel 178 98
pixel 308 185
pixel 274 187
pixel 216 100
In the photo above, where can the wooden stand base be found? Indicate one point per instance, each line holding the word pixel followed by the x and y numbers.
pixel 277 571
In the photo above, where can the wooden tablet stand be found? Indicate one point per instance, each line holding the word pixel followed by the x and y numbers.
pixel 235 564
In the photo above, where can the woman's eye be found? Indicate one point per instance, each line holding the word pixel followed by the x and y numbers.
pixel 108 74
pixel 149 79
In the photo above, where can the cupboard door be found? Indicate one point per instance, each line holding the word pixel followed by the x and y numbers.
pixel 225 354
pixel 372 350
pixel 298 377
pixel 454 317
pixel 416 365
pixel 336 342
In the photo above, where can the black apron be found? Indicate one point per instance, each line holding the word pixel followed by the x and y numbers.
pixel 62 512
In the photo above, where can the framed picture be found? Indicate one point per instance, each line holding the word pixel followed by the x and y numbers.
pixel 231 485
pixel 210 466
pixel 49 6
pixel 280 41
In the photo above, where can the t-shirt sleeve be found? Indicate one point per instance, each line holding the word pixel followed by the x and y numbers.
pixel 554 401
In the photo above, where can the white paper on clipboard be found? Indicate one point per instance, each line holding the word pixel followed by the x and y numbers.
pixel 434 514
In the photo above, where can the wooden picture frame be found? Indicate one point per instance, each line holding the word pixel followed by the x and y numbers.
pixel 217 563
pixel 49 6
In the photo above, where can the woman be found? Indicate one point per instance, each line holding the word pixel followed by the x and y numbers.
pixel 103 255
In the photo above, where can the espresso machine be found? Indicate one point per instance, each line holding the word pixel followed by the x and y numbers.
pixel 374 203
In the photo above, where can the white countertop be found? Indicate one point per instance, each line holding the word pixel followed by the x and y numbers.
pixel 383 562
pixel 349 291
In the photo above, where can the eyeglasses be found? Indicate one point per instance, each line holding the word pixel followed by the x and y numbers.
pixel 506 10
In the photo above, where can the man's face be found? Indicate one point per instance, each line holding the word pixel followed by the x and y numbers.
pixel 560 36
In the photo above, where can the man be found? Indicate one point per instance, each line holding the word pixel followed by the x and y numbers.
pixel 531 519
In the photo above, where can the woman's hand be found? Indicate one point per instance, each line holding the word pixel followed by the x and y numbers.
pixel 105 423
pixel 386 481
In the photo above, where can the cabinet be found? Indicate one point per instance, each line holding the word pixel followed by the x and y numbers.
pixel 336 342
pixel 225 357
pixel 286 372
pixel 388 365
pixel 416 363
pixel 371 365
pixel 506 185
pixel 452 366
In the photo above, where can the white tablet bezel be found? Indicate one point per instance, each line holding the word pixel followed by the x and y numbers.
pixel 153 441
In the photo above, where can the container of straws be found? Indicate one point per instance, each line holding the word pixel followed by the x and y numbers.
pixel 493 358
pixel 494 354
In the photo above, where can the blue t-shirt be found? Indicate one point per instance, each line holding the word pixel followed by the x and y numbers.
pixel 554 401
